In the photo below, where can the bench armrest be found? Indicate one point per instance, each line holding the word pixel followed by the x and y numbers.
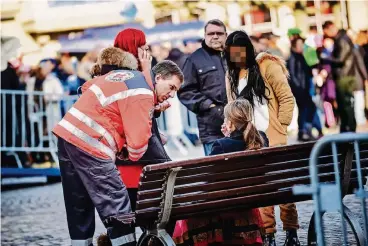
pixel 167 198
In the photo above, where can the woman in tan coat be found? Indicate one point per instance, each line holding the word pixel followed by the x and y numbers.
pixel 263 81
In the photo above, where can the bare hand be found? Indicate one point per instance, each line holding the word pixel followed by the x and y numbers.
pixel 163 138
pixel 145 59
pixel 162 106
pixel 224 130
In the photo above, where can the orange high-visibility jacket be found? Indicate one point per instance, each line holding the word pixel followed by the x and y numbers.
pixel 114 110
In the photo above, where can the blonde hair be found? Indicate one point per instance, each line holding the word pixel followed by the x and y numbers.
pixel 240 113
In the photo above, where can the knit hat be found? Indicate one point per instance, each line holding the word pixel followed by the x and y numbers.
pixel 294 31
pixel 130 40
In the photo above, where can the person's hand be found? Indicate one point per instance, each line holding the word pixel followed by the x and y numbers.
pixel 224 130
pixel 318 80
pixel 145 59
pixel 123 154
pixel 161 107
pixel 163 138
pixel 324 55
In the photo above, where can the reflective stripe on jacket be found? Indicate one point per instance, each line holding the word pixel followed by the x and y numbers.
pixel 113 112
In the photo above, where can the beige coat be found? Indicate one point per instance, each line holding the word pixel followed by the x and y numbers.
pixel 281 100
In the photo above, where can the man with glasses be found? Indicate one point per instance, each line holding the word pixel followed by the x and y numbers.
pixel 203 91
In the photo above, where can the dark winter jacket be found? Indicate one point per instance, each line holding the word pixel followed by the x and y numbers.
pixel 204 73
pixel 233 143
pixel 178 57
pixel 300 76
pixel 343 58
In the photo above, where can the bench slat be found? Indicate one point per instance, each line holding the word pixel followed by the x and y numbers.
pixel 245 169
pixel 242 186
pixel 241 180
pixel 145 217
pixel 237 158
pixel 277 198
pixel 221 193
pixel 244 181
pixel 155 193
pixel 254 189
pixel 200 161
pixel 181 209
pixel 230 164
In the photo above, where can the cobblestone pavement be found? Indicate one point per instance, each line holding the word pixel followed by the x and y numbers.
pixel 36 216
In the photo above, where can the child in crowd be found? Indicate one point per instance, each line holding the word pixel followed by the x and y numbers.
pixel 239 130
pixel 228 228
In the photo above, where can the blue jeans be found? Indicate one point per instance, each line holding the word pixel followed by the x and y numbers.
pixel 317 122
pixel 306 116
pixel 207 148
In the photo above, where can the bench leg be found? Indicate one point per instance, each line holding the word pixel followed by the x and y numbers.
pixel 142 238
pixel 350 218
pixel 165 238
pixel 160 234
pixel 355 226
pixel 312 235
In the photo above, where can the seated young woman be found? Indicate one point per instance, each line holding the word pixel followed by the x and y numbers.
pixel 228 228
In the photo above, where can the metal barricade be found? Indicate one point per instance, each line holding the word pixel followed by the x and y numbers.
pixel 185 121
pixel 189 120
pixel 328 197
pixel 27 119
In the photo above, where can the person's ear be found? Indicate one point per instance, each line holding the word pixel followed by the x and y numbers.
pixel 158 77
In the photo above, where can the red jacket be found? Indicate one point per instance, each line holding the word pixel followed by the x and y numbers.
pixel 114 110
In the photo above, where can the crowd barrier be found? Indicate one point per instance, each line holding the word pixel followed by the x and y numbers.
pixel 328 197
pixel 27 119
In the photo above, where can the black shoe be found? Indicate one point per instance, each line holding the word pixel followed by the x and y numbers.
pixel 269 240
pixel 291 238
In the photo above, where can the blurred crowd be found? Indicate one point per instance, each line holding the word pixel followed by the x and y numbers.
pixel 328 75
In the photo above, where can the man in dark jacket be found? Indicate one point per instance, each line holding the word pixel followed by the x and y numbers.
pixel 343 62
pixel 300 77
pixel 204 91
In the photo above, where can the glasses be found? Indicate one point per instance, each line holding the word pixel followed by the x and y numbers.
pixel 216 33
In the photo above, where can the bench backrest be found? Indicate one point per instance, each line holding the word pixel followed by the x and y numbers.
pixel 247 179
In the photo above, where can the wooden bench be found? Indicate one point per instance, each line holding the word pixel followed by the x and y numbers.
pixel 229 182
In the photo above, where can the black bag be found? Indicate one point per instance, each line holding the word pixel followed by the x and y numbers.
pixel 155 153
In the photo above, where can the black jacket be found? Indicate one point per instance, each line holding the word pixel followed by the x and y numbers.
pixel 204 73
pixel 155 153
pixel 300 77
pixel 233 143
pixel 343 58
pixel 178 57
